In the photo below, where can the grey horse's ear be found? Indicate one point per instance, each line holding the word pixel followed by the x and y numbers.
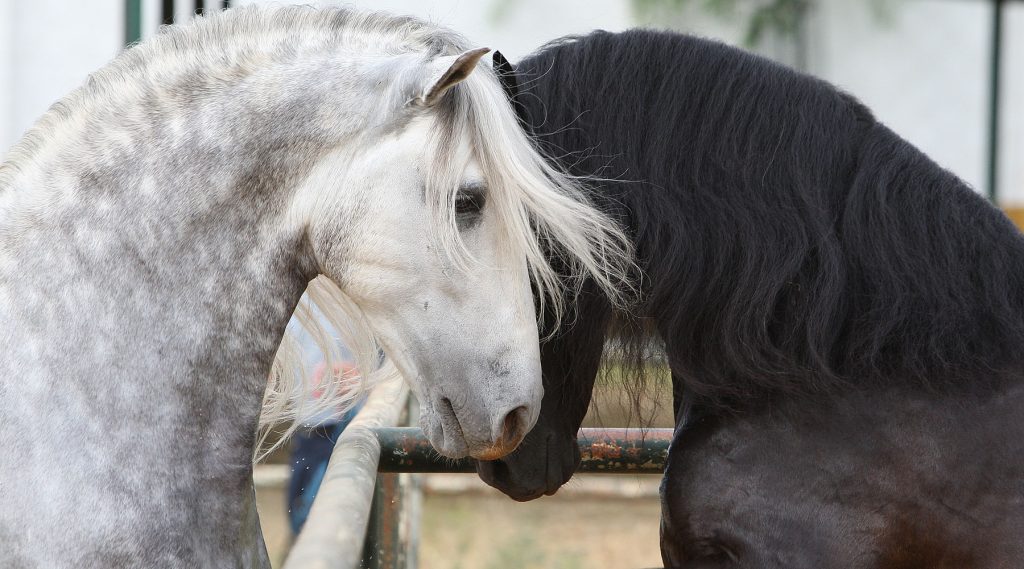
pixel 453 70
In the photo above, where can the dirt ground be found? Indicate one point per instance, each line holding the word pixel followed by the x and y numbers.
pixel 483 529
pixel 493 532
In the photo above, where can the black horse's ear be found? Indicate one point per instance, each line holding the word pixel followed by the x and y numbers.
pixel 509 82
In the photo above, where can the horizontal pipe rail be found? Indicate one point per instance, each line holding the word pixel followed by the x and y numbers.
pixel 607 451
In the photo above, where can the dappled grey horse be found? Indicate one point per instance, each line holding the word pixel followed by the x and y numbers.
pixel 159 225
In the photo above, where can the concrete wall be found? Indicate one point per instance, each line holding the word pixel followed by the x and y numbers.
pixel 1011 172
pixel 923 68
pixel 921 65
pixel 515 27
pixel 6 67
pixel 48 47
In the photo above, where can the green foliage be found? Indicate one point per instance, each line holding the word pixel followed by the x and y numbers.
pixel 781 16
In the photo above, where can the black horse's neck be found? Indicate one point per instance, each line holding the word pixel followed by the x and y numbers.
pixel 791 243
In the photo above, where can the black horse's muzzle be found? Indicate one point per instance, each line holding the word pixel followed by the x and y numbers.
pixel 541 465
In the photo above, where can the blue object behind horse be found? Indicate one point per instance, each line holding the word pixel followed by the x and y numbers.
pixel 310 453
pixel 844 319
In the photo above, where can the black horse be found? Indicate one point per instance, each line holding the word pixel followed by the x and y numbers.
pixel 844 319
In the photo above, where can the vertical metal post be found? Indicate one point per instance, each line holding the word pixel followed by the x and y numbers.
pixel 392 534
pixel 383 548
pixel 198 10
pixel 167 12
pixel 995 77
pixel 225 4
pixel 132 21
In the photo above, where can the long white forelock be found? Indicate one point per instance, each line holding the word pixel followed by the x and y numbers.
pixel 289 400
pixel 532 200
pixel 537 199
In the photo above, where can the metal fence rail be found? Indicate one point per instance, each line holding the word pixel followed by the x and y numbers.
pixel 367 508
pixel 605 451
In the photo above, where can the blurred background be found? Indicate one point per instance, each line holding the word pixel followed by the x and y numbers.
pixel 926 67
pixel 946 74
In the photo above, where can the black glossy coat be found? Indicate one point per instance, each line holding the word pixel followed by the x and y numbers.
pixel 843 318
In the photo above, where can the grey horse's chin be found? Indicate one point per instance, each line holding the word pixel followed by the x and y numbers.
pixel 442 437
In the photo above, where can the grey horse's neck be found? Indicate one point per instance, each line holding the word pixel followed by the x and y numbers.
pixel 146 278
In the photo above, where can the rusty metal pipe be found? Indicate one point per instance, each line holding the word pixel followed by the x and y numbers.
pixel 606 451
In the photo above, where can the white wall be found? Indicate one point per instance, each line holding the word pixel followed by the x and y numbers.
pixel 49 48
pixel 923 69
pixel 731 28
pixel 6 65
pixel 921 65
pixel 1011 171
pixel 524 26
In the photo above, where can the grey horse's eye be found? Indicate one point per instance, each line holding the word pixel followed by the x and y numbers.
pixel 469 204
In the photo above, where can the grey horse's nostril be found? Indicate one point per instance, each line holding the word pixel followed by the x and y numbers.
pixel 514 426
pixel 447 409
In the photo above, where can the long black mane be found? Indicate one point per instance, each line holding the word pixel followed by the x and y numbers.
pixel 791 243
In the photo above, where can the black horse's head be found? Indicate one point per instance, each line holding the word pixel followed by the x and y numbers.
pixel 570 359
pixel 549 455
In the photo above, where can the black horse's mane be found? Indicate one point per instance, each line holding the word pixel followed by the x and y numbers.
pixel 790 242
